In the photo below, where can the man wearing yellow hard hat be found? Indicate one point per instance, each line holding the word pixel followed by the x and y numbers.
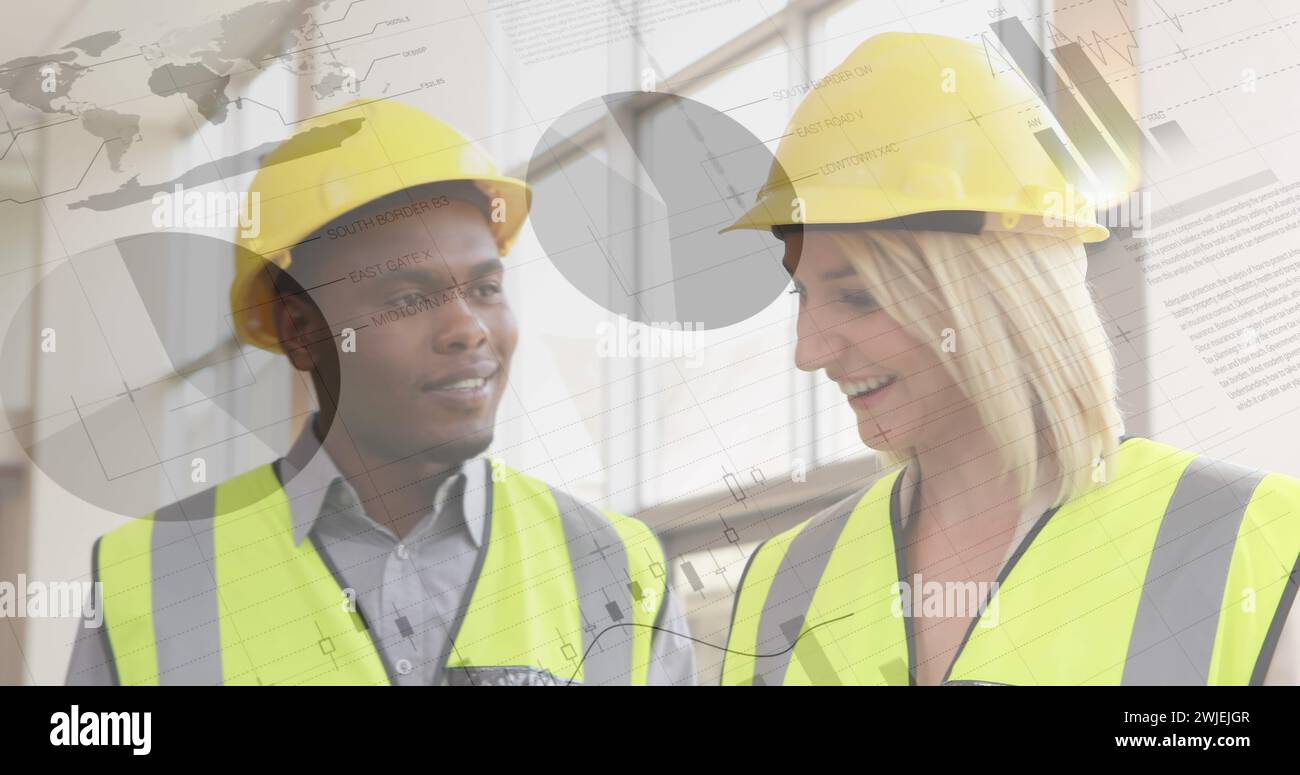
pixel 1023 539
pixel 382 549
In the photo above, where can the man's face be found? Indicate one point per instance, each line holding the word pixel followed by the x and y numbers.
pixel 434 334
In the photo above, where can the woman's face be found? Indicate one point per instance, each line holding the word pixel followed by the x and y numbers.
pixel 902 396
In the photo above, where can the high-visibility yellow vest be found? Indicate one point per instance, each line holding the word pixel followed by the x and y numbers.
pixel 214 589
pixel 1177 570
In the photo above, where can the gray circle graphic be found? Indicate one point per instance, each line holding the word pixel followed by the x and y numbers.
pixel 630 191
pixel 127 444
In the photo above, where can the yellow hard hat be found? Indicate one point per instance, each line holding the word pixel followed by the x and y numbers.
pixel 914 124
pixel 342 160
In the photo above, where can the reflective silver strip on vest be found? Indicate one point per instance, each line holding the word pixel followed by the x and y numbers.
pixel 600 571
pixel 790 597
pixel 183 581
pixel 1178 615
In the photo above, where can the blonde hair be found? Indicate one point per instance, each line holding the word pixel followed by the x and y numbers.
pixel 1028 337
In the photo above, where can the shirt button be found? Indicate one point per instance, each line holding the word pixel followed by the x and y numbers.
pixel 404 666
pixel 401 551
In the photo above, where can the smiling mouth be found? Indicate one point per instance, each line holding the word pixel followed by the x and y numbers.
pixel 866 387
pixel 462 385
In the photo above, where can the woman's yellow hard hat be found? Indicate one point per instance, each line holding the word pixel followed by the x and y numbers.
pixel 339 161
pixel 914 124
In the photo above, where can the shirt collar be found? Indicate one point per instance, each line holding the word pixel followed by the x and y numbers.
pixel 307 473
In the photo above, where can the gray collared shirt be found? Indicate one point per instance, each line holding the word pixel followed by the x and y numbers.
pixel 408 590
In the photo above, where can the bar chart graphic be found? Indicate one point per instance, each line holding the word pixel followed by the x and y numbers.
pixel 1108 172
pixel 1108 147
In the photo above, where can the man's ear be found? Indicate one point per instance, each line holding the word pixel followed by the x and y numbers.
pixel 793 239
pixel 298 325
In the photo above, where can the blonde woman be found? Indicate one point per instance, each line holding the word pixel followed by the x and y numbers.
pixel 1021 538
